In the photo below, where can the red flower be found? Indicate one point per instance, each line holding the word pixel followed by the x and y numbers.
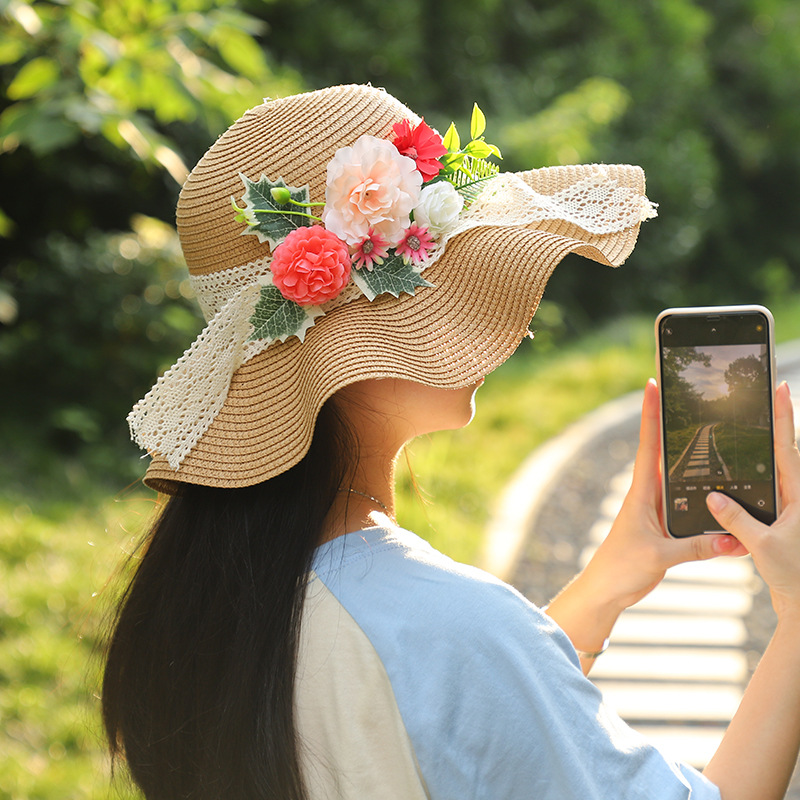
pixel 422 144
pixel 370 250
pixel 311 266
pixel 416 244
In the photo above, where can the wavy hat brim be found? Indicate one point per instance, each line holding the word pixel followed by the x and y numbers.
pixel 487 286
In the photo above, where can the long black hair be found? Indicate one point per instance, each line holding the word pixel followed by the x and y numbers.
pixel 198 683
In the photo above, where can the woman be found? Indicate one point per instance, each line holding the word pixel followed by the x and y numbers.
pixel 282 636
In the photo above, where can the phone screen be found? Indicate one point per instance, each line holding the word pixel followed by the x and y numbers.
pixel 717 413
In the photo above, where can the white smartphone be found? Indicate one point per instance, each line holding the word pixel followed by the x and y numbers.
pixel 716 377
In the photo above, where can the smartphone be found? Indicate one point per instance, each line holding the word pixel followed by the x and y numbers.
pixel 716 376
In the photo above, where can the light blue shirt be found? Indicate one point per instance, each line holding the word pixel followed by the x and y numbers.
pixel 489 688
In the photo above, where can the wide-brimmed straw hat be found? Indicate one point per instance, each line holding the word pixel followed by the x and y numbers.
pixel 240 406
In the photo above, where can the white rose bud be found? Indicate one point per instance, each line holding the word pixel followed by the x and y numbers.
pixel 438 208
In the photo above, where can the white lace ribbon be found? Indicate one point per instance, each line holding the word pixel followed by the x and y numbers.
pixel 178 410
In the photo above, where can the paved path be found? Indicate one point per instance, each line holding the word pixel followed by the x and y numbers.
pixel 679 661
pixel 701 459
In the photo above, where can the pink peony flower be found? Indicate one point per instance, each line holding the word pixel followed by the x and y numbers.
pixel 370 250
pixel 415 245
pixel 422 144
pixel 310 266
pixel 370 185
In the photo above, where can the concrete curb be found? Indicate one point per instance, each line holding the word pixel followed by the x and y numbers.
pixel 531 484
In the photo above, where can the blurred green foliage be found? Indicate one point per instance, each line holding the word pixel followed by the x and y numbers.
pixel 106 103
pixel 96 320
pixel 702 95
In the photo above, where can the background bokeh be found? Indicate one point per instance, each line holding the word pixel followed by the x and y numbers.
pixel 106 104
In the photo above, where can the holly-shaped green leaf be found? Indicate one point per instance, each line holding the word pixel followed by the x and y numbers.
pixel 275 317
pixel 392 277
pixel 272 210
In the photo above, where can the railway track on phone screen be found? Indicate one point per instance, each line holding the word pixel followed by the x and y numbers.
pixel 679 661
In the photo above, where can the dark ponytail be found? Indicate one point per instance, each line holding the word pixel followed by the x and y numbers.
pixel 199 677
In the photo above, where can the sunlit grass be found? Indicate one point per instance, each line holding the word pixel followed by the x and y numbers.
pixel 54 563
pixel 746 451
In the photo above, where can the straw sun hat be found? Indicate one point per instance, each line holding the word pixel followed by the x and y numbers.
pixel 439 294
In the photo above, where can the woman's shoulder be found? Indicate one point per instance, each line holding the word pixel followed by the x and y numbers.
pixel 390 579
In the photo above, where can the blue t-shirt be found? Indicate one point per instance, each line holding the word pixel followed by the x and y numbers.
pixel 411 658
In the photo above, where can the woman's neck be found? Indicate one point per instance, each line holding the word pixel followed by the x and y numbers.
pixel 367 500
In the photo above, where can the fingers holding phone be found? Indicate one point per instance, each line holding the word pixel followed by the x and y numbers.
pixel 775 548
pixel 716 380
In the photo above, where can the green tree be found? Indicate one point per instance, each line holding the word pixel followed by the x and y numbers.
pixel 701 95
pixel 682 401
pixel 748 391
pixel 104 105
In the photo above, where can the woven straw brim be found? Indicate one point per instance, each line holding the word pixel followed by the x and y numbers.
pixel 488 286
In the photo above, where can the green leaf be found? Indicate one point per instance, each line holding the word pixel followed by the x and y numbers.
pixel 477 148
pixel 392 277
pixel 477 124
pixel 452 161
pixel 452 141
pixel 471 177
pixel 38 129
pixel 495 150
pixel 275 317
pixel 240 51
pixel 36 75
pixel 11 50
pixel 479 168
pixel 271 221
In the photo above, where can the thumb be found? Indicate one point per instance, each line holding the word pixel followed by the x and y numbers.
pixel 733 518
pixel 703 547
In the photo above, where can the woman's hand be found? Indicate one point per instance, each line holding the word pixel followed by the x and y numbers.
pixel 637 552
pixel 775 548
pixel 759 750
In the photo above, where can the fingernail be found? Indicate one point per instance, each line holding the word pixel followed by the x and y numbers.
pixel 716 501
pixel 723 544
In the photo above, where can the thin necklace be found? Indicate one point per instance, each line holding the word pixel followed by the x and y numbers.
pixel 369 497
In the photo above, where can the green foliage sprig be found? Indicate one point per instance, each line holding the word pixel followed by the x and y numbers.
pixel 466 167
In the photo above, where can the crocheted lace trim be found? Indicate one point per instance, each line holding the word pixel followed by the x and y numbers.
pixel 179 409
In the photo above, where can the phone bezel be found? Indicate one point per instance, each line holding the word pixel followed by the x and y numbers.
pixel 705 311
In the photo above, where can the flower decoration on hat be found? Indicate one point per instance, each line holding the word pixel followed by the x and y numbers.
pixel 388 205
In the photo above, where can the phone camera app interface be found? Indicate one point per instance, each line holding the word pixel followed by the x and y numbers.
pixel 716 387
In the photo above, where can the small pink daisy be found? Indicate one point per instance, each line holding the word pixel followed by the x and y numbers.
pixel 415 244
pixel 371 250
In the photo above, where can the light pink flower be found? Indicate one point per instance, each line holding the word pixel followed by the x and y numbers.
pixel 415 245
pixel 310 266
pixel 371 250
pixel 370 185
